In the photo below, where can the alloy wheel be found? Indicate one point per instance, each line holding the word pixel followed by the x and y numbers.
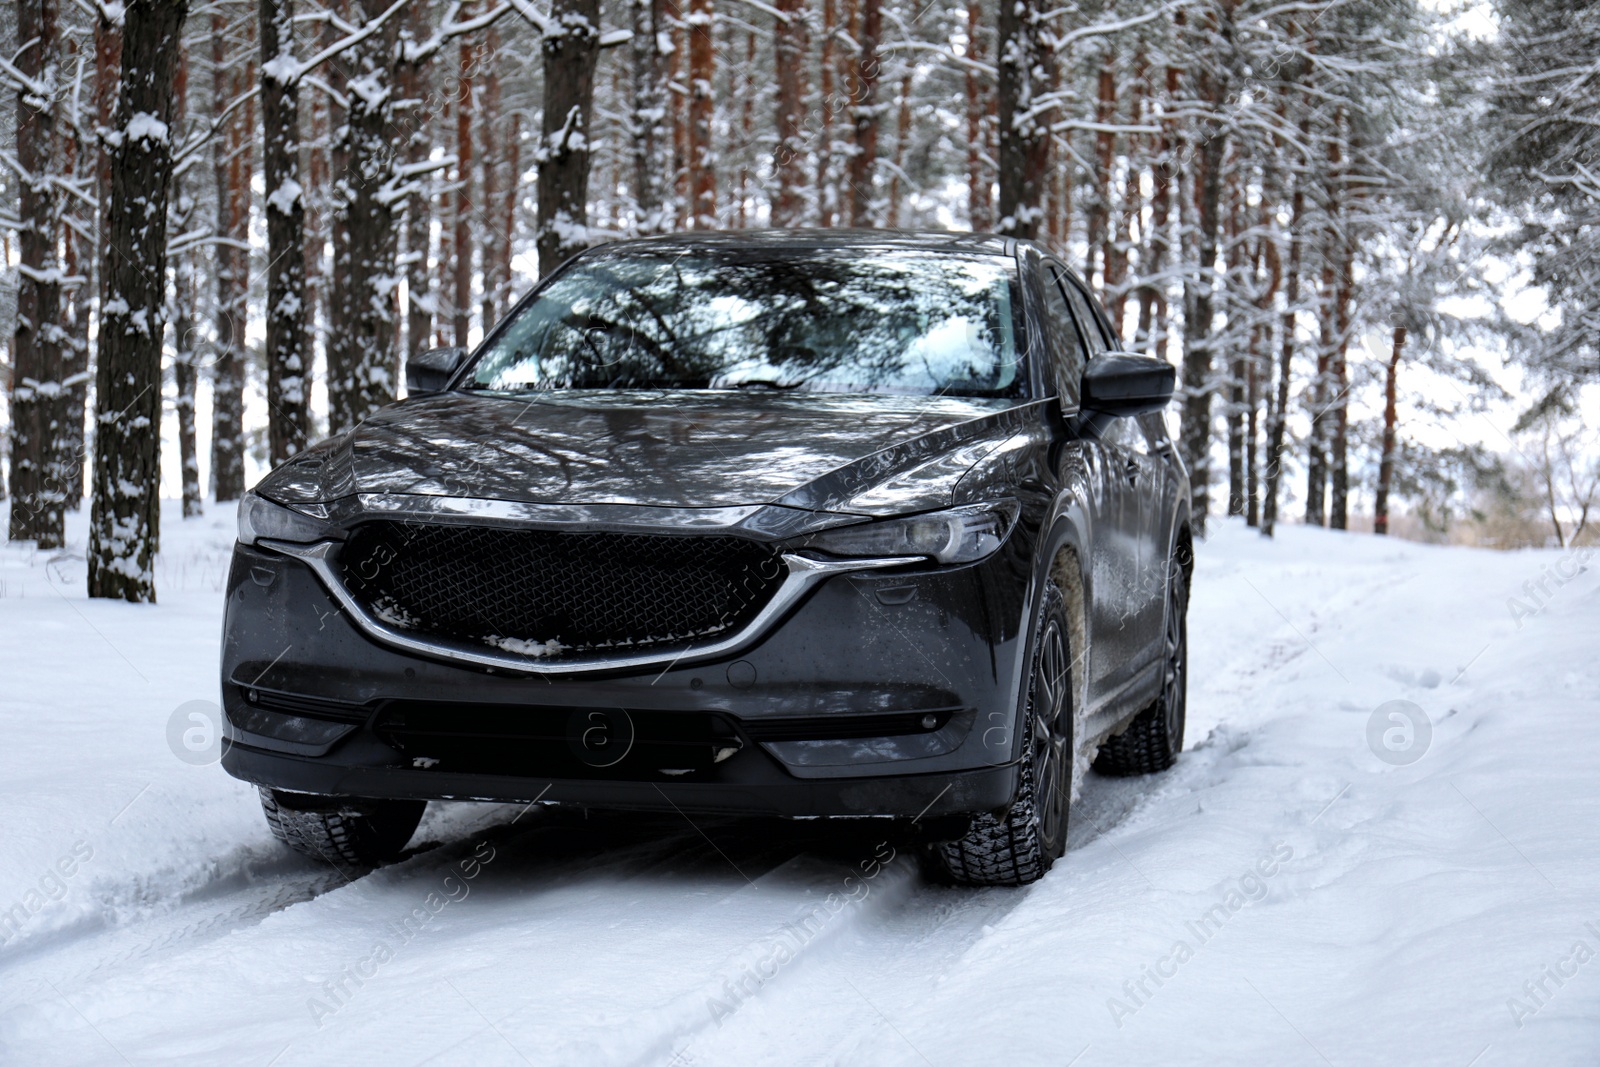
pixel 1050 702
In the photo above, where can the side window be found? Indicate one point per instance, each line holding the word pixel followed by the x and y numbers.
pixel 1086 316
pixel 1066 347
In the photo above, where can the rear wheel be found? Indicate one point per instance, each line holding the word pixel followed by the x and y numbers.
pixel 1018 846
pixel 1155 737
pixel 342 831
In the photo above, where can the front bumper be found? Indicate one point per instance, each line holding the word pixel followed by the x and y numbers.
pixel 315 705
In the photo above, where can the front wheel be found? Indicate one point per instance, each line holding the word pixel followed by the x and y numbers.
pixel 1018 846
pixel 341 831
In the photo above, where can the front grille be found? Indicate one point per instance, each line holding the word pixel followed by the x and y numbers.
pixel 553 594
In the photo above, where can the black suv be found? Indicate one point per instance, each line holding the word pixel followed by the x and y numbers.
pixel 803 523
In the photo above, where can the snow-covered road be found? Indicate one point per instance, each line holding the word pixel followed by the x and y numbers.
pixel 1292 892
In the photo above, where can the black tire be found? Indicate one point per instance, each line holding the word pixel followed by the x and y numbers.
pixel 1018 846
pixel 342 831
pixel 1153 740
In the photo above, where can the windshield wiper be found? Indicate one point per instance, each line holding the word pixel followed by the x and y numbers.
pixel 767 383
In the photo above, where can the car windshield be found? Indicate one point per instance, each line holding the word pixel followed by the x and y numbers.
pixel 830 321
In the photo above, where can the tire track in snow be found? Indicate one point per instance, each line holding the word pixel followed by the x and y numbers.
pixel 147 918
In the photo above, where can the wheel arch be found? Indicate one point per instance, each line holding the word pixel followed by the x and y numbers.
pixel 1062 557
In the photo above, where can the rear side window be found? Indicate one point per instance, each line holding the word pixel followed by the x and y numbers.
pixel 1066 347
pixel 1085 315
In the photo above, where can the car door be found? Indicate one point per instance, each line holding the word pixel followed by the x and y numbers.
pixel 1113 552
pixel 1144 471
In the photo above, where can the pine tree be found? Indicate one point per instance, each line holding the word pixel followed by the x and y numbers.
pixel 125 515
pixel 361 353
pixel 570 47
pixel 38 497
pixel 288 357
pixel 1026 54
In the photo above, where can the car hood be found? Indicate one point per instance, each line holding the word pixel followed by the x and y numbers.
pixel 691 449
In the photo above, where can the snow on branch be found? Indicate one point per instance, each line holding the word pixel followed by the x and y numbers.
pixel 111 13
pixel 781 16
pixel 1100 29
pixel 283 68
pixel 942 52
pixel 200 139
pixel 538 19
pixel 34 87
pixel 450 29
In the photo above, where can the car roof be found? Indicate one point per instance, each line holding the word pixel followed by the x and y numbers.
pixel 815 238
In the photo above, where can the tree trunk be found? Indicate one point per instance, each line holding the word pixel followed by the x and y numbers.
pixel 38 496
pixel 826 209
pixel 461 302
pixel 569 62
pixel 1260 369
pixel 1317 395
pixel 1380 508
pixel 183 372
pixel 361 357
pixel 1026 57
pixel 315 202
pixel 1339 462
pixel 1121 242
pixel 1234 286
pixel 107 68
pixel 338 76
pixel 1322 391
pixel 648 116
pixel 184 324
pixel 901 142
pixel 1199 338
pixel 864 155
pixel 414 82
pixel 1280 408
pixel 789 53
pixel 677 108
pixel 702 157
pixel 125 514
pixel 512 200
pixel 980 195
pixel 231 168
pixel 288 361
pixel 494 282
pixel 746 94
pixel 1104 159
pixel 68 441
pixel 1153 295
pixel 71 445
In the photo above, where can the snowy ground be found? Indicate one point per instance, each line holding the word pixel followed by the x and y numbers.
pixel 1284 895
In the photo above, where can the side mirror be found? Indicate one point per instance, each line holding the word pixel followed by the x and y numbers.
pixel 1120 383
pixel 431 371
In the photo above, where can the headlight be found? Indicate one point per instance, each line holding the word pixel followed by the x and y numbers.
pixel 959 535
pixel 260 518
